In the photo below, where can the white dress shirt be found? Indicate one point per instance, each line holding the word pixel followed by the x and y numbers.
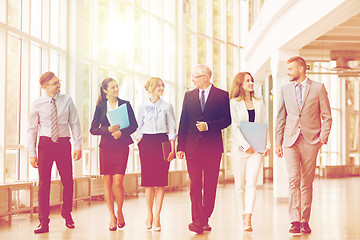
pixel 154 118
pixel 207 91
pixel 40 122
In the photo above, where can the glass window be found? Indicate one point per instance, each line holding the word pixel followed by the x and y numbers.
pixel 230 65
pixel 156 7
pixel 54 22
pixel 140 39
pixel 12 90
pixel 54 62
pixel 230 11
pixel 188 60
pixel 217 19
pixel 156 47
pixel 35 71
pixel 14 13
pixel 103 31
pixel 11 165
pixel 203 17
pixel 202 48
pixel 86 105
pixel 168 50
pixel 217 63
pixel 36 10
pixel 123 81
pixel 86 29
pixel 3 11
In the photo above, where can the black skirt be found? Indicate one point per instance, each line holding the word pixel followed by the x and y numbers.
pixel 154 169
pixel 113 160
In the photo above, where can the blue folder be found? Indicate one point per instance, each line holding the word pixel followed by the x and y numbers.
pixel 254 134
pixel 119 116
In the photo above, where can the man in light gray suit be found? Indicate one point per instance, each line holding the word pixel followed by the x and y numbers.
pixel 303 125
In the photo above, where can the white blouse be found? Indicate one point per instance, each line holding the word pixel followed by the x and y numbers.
pixel 154 118
pixel 239 113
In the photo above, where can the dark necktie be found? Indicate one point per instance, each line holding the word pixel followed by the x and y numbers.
pixel 53 118
pixel 202 100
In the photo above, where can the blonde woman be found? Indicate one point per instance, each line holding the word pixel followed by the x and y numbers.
pixel 246 163
pixel 156 125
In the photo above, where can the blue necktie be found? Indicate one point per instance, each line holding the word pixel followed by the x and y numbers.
pixel 202 100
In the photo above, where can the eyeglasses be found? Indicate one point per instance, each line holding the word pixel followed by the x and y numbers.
pixel 198 76
pixel 54 83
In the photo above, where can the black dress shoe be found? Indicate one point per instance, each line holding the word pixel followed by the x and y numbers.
pixel 207 228
pixel 305 227
pixel 42 228
pixel 295 228
pixel 69 222
pixel 195 228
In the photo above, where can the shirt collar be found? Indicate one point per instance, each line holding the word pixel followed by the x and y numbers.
pixel 149 102
pixel 303 82
pixel 207 90
pixel 56 97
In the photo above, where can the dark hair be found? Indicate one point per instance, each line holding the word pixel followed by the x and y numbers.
pixel 102 94
pixel 299 61
pixel 45 77
pixel 237 90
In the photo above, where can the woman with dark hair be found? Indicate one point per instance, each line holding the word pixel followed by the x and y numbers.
pixel 114 148
pixel 156 125
pixel 246 163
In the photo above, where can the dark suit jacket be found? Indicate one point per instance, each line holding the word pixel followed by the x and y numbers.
pixel 217 116
pixel 100 124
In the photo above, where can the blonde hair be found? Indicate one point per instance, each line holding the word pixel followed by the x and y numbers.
pixel 237 90
pixel 299 61
pixel 45 77
pixel 151 84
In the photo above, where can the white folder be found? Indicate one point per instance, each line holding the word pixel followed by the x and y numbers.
pixel 255 135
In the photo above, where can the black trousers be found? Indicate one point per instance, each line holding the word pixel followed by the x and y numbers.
pixel 60 153
pixel 203 171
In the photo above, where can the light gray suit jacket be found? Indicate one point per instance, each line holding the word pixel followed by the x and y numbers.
pixel 313 120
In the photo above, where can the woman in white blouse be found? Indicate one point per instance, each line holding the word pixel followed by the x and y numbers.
pixel 156 121
pixel 246 163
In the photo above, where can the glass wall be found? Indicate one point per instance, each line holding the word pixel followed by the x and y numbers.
pixel 30 44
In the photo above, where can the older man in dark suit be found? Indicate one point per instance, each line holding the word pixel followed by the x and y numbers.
pixel 205 113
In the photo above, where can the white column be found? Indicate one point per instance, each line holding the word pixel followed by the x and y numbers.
pixel 74 64
pixel 278 66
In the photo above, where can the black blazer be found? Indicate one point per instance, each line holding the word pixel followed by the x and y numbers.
pixel 100 124
pixel 217 116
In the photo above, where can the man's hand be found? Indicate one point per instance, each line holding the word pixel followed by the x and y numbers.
pixel 266 153
pixel 201 126
pixel 77 155
pixel 116 134
pixel 180 154
pixel 34 162
pixel 279 151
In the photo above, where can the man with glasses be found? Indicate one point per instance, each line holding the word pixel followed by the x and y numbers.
pixel 52 116
pixel 205 112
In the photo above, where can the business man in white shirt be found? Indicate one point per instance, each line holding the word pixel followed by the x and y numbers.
pixel 51 117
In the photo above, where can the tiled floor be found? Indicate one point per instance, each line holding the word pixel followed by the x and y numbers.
pixel 335 215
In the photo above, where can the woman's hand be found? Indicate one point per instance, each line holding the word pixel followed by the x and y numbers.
pixel 113 128
pixel 171 156
pixel 266 153
pixel 117 134
pixel 250 150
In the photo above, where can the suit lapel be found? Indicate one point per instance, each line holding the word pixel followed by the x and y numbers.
pixel 197 99
pixel 306 93
pixel 292 92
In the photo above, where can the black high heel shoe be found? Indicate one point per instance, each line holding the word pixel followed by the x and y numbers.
pixel 113 228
